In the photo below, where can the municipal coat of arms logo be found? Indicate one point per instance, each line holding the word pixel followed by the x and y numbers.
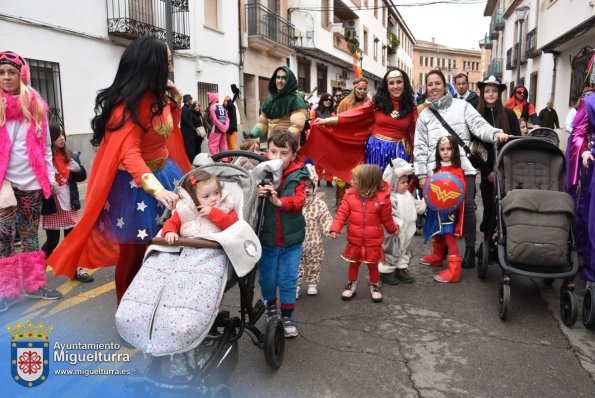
pixel 30 353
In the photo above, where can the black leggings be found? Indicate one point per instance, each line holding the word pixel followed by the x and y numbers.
pixel 53 238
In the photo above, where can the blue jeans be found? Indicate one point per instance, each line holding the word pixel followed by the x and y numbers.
pixel 279 269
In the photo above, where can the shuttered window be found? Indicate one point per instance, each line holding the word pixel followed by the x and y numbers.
pixel 211 13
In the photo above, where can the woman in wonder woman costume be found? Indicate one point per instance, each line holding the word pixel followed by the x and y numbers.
pixel 377 132
pixel 140 158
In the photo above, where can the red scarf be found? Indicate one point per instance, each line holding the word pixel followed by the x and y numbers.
pixel 62 170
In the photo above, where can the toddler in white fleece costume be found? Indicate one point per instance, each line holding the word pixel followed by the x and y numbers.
pixel 405 209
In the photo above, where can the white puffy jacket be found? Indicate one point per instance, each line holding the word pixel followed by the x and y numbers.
pixel 462 118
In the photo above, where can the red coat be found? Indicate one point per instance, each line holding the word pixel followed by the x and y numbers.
pixel 367 219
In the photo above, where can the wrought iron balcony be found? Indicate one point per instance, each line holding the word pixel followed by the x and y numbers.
pixel 131 19
pixel 487 41
pixel 499 22
pixel 493 32
pixel 496 66
pixel 267 31
pixel 531 44
pixel 510 59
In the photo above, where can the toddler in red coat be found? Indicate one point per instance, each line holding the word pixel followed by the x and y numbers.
pixel 367 207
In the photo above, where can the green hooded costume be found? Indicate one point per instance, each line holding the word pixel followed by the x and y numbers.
pixel 283 109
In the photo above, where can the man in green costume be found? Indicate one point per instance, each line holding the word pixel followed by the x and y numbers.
pixel 283 108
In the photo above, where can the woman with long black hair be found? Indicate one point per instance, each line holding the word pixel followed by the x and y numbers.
pixel 377 132
pixel 139 159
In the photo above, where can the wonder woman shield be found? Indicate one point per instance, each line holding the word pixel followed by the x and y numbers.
pixel 444 192
pixel 30 362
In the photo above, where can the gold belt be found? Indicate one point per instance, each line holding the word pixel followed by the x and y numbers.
pixel 389 139
pixel 154 165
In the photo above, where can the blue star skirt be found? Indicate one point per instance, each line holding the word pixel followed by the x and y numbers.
pixel 381 152
pixel 130 215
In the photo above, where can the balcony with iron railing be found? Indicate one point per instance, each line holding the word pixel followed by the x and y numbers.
pixel 493 32
pixel 131 19
pixel 510 59
pixel 499 21
pixel 268 31
pixel 488 42
pixel 531 44
pixel 496 66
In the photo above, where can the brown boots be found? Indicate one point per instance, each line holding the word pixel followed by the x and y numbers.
pixel 453 273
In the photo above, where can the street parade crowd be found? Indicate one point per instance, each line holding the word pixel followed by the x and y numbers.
pixel 379 152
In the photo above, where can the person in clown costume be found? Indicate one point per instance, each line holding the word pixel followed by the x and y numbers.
pixel 140 159
pixel 27 175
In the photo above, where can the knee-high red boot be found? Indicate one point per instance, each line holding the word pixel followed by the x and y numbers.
pixel 435 259
pixel 453 273
pixel 129 262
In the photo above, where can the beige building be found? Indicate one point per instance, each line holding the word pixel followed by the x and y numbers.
pixel 451 61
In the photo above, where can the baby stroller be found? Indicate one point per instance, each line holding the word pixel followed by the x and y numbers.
pixel 532 232
pixel 210 361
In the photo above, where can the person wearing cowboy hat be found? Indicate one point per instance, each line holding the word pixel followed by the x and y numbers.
pixel 491 108
pixel 521 106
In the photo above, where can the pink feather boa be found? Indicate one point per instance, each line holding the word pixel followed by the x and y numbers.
pixel 35 141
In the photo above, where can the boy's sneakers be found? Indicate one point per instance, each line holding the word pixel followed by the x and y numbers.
pixel 402 274
pixel 389 278
pixel 272 312
pixel 312 290
pixel 290 327
pixel 82 276
pixel 44 293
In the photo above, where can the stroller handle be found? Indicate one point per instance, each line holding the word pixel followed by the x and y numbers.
pixel 187 242
pixel 246 154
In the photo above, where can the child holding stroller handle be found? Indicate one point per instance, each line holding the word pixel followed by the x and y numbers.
pixel 204 207
pixel 445 226
pixel 284 229
pixel 367 207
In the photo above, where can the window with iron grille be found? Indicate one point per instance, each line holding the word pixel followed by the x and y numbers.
pixel 203 89
pixel 45 78
pixel 579 75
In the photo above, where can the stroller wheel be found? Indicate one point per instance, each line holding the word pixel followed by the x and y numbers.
pixel 568 306
pixel 503 299
pixel 274 343
pixel 589 308
pixel 483 259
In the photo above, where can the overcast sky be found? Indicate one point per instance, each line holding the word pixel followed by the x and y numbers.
pixel 453 25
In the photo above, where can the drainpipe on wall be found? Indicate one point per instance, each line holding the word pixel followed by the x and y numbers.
pixel 554 71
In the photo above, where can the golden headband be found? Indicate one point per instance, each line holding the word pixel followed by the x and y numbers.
pixel 393 73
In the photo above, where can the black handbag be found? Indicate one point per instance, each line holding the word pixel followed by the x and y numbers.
pixel 477 153
pixel 48 206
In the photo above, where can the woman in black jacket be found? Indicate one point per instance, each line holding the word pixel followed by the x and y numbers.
pixel 495 113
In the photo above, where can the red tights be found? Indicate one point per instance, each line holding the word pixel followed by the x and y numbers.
pixel 451 243
pixel 129 262
pixel 354 270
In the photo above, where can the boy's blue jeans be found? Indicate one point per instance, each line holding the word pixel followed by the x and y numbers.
pixel 279 268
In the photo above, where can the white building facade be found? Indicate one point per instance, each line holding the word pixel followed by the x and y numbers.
pixel 547 52
pixel 74 49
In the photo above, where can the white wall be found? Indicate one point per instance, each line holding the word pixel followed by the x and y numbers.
pixel 561 16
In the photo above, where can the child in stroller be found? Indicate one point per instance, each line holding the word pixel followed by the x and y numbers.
pixel 171 310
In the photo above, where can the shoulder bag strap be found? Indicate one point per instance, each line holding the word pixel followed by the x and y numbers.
pixel 451 131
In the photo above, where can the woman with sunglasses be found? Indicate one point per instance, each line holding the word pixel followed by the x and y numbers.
pixel 283 108
pixel 520 104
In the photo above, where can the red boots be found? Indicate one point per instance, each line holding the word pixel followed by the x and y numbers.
pixel 435 259
pixel 453 273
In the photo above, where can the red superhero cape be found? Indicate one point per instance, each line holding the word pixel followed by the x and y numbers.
pixel 87 246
